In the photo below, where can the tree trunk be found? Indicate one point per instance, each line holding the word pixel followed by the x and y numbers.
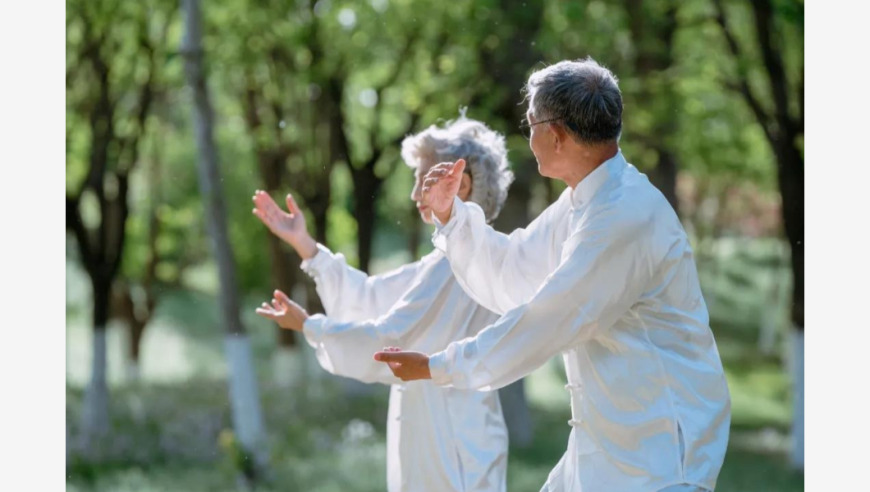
pixel 287 360
pixel 653 34
pixel 796 367
pixel 366 187
pixel 782 129
pixel 791 185
pixel 124 308
pixel 134 364
pixel 284 278
pixel 244 396
pixel 95 411
pixel 664 176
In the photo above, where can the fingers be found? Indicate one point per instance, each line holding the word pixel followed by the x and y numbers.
pixel 260 207
pixel 271 308
pixel 266 306
pixel 387 355
pixel 395 366
pixel 291 205
pixel 445 171
pixel 282 298
pixel 440 170
pixel 261 199
pixel 437 173
pixel 447 168
pixel 266 312
pixel 266 204
pixel 392 354
pixel 272 210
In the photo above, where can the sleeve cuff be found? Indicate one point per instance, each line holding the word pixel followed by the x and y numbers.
pixel 317 262
pixel 313 329
pixel 438 369
pixel 442 231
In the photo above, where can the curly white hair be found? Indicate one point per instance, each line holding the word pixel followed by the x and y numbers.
pixel 483 150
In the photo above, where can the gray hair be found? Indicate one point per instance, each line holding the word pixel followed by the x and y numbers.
pixel 582 95
pixel 483 150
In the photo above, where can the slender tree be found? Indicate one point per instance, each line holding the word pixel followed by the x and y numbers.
pixel 777 102
pixel 115 55
pixel 244 395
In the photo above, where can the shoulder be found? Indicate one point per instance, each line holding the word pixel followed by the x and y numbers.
pixel 630 207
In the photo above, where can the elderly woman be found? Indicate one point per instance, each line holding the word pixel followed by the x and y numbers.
pixel 438 439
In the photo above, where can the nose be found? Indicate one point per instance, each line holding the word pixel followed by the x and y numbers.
pixel 415 192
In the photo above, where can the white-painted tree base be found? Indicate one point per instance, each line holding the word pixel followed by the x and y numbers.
pixel 95 407
pixel 776 311
pixel 797 373
pixel 132 372
pixel 288 367
pixel 247 415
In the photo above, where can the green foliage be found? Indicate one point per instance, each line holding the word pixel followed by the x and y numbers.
pixel 395 60
pixel 279 71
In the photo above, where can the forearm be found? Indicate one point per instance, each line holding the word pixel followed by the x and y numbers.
pixel 498 356
pixel 305 246
pixel 498 271
pixel 345 348
pixel 349 294
pixel 603 275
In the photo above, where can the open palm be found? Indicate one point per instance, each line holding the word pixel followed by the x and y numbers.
pixel 290 226
pixel 441 185
pixel 283 311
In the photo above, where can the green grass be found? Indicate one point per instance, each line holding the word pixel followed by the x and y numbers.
pixel 168 439
pixel 166 432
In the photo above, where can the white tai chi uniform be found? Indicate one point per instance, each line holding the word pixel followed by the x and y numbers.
pixel 438 439
pixel 606 277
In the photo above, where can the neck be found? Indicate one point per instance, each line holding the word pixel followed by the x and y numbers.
pixel 585 159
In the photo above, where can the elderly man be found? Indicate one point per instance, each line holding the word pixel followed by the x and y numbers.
pixel 606 277
pixel 438 439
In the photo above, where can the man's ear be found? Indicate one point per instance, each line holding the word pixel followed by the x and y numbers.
pixel 559 134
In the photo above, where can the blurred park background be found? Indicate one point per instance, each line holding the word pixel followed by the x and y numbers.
pixel 171 376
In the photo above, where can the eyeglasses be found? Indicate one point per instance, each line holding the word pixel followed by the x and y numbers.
pixel 526 128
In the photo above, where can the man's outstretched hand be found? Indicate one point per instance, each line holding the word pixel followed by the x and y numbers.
pixel 440 185
pixel 407 366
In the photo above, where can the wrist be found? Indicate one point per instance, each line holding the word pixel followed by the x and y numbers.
pixel 444 215
pixel 305 247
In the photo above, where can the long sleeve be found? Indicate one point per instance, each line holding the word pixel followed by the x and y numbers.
pixel 348 294
pixel 346 348
pixel 605 270
pixel 430 315
pixel 501 271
